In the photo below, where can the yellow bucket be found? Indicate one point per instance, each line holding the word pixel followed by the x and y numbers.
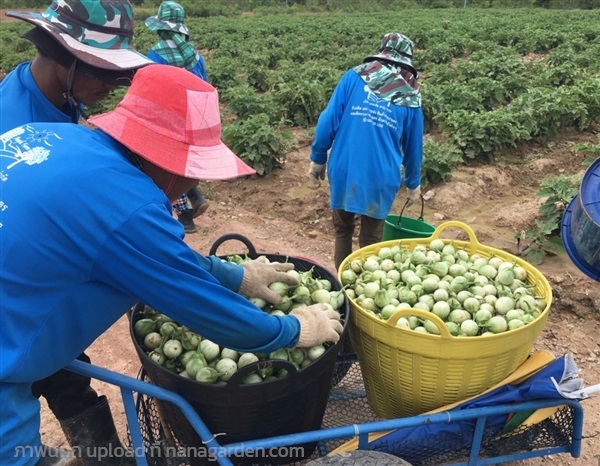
pixel 408 373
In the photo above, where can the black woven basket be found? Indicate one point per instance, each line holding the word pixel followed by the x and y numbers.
pixel 346 354
pixel 291 404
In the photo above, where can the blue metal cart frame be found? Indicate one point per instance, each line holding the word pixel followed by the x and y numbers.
pixel 129 385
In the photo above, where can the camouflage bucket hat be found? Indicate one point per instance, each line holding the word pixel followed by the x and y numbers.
pixel 396 48
pixel 99 33
pixel 170 17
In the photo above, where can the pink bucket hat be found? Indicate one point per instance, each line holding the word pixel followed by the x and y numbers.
pixel 171 118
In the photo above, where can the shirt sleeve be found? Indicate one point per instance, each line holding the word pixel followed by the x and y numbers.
pixel 156 58
pixel 412 148
pixel 199 69
pixel 329 121
pixel 228 274
pixel 145 258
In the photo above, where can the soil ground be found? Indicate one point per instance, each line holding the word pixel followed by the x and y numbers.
pixel 281 213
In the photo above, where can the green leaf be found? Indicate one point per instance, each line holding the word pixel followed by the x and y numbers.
pixel 554 245
pixel 535 256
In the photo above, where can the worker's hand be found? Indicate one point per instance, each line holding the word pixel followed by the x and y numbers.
pixel 260 273
pixel 316 173
pixel 319 323
pixel 414 195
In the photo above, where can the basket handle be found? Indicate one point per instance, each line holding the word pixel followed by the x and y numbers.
pixel 473 243
pixel 238 375
pixel 406 205
pixel 439 323
pixel 236 236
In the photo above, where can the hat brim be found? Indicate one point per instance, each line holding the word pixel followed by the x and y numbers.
pixel 209 163
pixel 109 59
pixel 400 60
pixel 53 49
pixel 155 24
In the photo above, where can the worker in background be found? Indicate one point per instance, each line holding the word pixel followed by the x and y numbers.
pixel 176 49
pixel 371 129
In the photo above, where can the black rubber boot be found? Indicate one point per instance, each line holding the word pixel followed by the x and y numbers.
pixel 199 202
pixel 93 437
pixel 186 218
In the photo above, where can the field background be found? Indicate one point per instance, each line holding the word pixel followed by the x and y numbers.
pixel 512 101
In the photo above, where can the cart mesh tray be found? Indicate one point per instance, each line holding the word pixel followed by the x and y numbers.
pixel 348 405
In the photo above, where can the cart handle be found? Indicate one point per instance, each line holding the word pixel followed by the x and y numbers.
pixel 128 386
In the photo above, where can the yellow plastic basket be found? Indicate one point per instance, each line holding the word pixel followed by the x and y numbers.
pixel 408 373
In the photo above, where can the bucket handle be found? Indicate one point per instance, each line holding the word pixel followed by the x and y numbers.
pixel 406 205
pixel 439 323
pixel 237 376
pixel 473 243
pixel 235 236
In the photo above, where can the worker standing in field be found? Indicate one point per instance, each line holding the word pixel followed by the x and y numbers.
pixel 371 128
pixel 84 51
pixel 176 49
pixel 80 269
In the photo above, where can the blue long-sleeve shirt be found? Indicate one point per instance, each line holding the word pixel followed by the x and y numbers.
pixel 22 101
pixel 84 235
pixel 369 140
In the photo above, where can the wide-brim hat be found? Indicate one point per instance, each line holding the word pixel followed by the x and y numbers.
pixel 170 17
pixel 395 48
pixel 56 52
pixel 97 33
pixel 171 118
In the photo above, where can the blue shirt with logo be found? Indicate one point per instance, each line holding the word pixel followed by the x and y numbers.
pixel 365 140
pixel 84 235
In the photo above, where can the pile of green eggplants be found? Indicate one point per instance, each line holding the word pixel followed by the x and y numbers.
pixel 474 295
pixel 178 349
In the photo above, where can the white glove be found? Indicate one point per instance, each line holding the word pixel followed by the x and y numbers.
pixel 259 274
pixel 319 323
pixel 317 173
pixel 414 195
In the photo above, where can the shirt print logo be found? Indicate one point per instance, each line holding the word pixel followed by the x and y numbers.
pixel 26 144
pixel 370 94
pixel 23 144
pixel 375 111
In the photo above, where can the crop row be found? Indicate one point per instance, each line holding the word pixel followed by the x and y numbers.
pixel 491 79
